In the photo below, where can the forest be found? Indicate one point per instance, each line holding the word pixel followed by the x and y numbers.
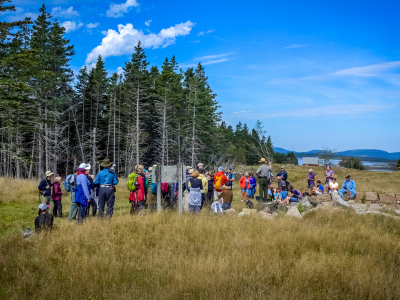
pixel 53 119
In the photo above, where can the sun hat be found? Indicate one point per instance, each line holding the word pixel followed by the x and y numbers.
pixel 188 167
pixel 84 166
pixel 150 169
pixel 49 173
pixel 221 169
pixel 311 170
pixel 190 171
pixel 106 163
pixel 200 164
pixel 262 160
pixel 43 206
pixel 348 176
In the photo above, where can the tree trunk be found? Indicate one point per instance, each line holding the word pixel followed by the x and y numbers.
pixel 137 125
pixel 94 152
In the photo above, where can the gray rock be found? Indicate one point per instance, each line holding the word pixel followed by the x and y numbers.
pixel 324 197
pixel 282 207
pixel 294 212
pixel 265 215
pixel 360 209
pixel 314 200
pixel 338 201
pixel 305 204
pixel 389 198
pixel 351 202
pixel 249 212
pixel 371 196
pixel 230 211
pixel 374 207
pixel 397 212
pixel 267 210
pixel 272 206
pixel 326 204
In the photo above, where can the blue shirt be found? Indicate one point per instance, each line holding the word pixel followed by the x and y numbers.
pixel 106 177
pixel 321 188
pixel 229 176
pixel 82 180
pixel 284 195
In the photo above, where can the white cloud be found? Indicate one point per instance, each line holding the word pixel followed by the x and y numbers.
pixel 209 60
pixel 205 32
pixel 368 71
pixel 214 56
pixel 295 46
pixel 118 10
pixel 92 25
pixel 147 23
pixel 64 13
pixel 71 26
pixel 215 61
pixel 18 14
pixel 210 30
pixel 124 41
pixel 120 70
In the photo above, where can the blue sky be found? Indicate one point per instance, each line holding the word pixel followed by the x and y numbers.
pixel 316 73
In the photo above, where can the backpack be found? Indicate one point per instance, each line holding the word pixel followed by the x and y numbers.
pixel 300 195
pixel 218 182
pixel 68 182
pixel 154 188
pixel 132 180
pixel 164 188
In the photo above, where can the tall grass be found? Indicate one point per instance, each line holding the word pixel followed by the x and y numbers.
pixel 326 255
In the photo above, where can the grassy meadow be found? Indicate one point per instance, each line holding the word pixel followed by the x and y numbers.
pixel 328 254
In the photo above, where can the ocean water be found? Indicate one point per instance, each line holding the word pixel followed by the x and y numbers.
pixel 374 165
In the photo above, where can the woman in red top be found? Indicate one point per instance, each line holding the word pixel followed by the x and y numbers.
pixel 244 183
pixel 56 196
pixel 137 198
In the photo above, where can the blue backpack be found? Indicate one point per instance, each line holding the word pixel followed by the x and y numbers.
pixel 68 182
pixel 154 188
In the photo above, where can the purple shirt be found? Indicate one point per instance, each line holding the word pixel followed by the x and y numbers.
pixel 311 178
pixel 329 175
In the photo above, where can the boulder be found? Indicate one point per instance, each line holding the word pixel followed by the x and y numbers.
pixel 249 212
pixel 397 197
pixel 314 200
pixel 326 204
pixel 305 204
pixel 360 209
pixel 374 207
pixel 359 196
pixel 387 198
pixel 371 196
pixel 230 211
pixel 294 212
pixel 338 201
pixel 241 214
pixel 282 207
pixel 397 212
pixel 324 197
pixel 267 210
pixel 351 202
pixel 272 206
pixel 265 215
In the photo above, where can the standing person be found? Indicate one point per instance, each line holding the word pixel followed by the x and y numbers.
pixel 93 195
pixel 107 180
pixel 311 179
pixel 44 220
pixel 151 198
pixel 231 178
pixel 73 209
pixel 219 181
pixel 205 186
pixel 82 191
pixel 200 166
pixel 328 175
pixel 137 198
pixel 253 185
pixel 264 174
pixel 45 189
pixel 210 191
pixel 195 185
pixel 56 196
pixel 245 185
pixel 227 197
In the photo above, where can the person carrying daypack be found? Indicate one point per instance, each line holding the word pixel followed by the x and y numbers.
pixel 136 185
pixel 219 181
pixel 45 190
pixel 70 186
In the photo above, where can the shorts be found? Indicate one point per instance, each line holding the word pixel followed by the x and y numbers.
pixel 245 190
pixel 311 186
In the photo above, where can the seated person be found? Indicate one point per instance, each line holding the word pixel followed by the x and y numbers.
pixel 319 189
pixel 306 193
pixel 227 196
pixel 271 193
pixel 349 187
pixel 277 194
pixel 294 194
pixel 44 220
pixel 333 186
pixel 216 207
pixel 284 196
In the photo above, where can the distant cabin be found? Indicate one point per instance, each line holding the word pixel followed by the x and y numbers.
pixel 310 161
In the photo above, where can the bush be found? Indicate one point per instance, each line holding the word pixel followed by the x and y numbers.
pixel 398 163
pixel 352 163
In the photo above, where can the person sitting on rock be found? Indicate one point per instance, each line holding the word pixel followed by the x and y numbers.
pixel 319 189
pixel 333 186
pixel 349 187
pixel 294 194
pixel 284 197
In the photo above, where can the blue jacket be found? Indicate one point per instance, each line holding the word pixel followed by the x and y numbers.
pixel 42 187
pixel 106 176
pixel 283 174
pixel 349 186
pixel 82 191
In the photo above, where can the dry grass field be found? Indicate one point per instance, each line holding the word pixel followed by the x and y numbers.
pixel 328 254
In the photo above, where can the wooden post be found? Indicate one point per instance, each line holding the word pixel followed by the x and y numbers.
pixel 180 182
pixel 158 181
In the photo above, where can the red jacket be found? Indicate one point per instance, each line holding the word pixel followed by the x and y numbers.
pixel 138 195
pixel 242 182
pixel 223 178
pixel 57 192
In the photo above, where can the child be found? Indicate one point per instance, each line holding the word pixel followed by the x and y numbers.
pixel 277 194
pixel 56 196
pixel 244 183
pixel 320 188
pixel 284 196
pixel 253 185
pixel 44 220
pixel 271 193
pixel 227 197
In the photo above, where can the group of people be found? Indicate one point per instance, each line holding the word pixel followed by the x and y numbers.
pixel 201 189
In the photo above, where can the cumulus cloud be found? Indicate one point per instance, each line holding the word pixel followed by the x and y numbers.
pixel 147 23
pixel 124 41
pixel 118 10
pixel 71 25
pixel 92 25
pixel 368 71
pixel 58 11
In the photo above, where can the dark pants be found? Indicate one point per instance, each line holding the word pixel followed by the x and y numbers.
pixel 92 204
pixel 203 200
pixel 58 207
pixel 264 184
pixel 106 195
pixel 81 212
pixel 209 198
pixel 136 207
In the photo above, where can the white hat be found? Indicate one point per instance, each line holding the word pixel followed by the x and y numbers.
pixel 188 167
pixel 150 169
pixel 84 166
pixel 191 171
pixel 311 170
pixel 49 173
pixel 200 164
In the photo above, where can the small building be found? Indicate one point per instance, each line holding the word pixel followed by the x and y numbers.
pixel 310 161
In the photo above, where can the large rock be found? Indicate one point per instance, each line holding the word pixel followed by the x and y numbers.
pixel 249 212
pixel 338 201
pixel 397 197
pixel 371 196
pixel 265 215
pixel 374 207
pixel 351 202
pixel 360 196
pixel 272 206
pixel 360 209
pixel 294 212
pixel 314 200
pixel 305 204
pixel 267 210
pixel 324 197
pixel 326 204
pixel 387 198
pixel 230 211
pixel 282 207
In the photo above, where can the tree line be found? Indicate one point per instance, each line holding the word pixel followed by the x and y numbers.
pixel 52 119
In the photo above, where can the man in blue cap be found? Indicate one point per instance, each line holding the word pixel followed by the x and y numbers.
pixel 231 178
pixel 107 180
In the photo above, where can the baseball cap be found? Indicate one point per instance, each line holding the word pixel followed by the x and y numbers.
pixel 43 206
pixel 348 176
pixel 311 170
pixel 221 169
pixel 200 164
pixel 282 167
pixel 229 168
pixel 150 169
